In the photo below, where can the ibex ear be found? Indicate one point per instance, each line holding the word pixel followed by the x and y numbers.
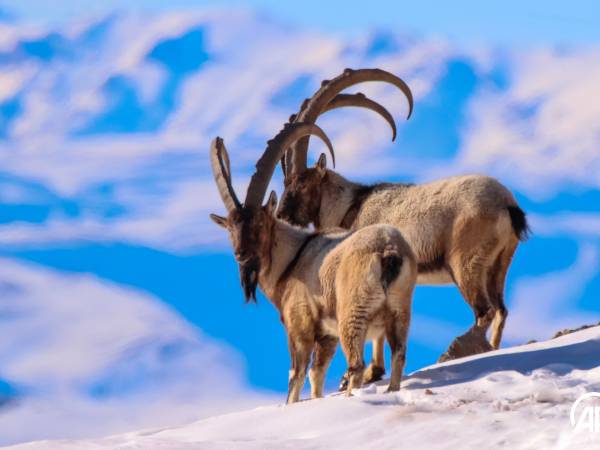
pixel 272 203
pixel 321 164
pixel 221 221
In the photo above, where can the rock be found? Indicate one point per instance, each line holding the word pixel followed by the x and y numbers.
pixel 472 342
pixel 573 330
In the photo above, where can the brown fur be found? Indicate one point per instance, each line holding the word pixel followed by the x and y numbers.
pixel 334 285
pixel 304 199
pixel 463 230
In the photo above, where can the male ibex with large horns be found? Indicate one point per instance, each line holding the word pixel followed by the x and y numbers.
pixel 325 285
pixel 463 230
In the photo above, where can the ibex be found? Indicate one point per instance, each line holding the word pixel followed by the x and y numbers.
pixel 326 286
pixel 463 230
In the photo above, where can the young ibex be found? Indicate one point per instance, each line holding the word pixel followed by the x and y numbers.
pixel 463 230
pixel 350 285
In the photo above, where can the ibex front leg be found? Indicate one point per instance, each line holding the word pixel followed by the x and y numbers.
pixel 324 351
pixel 300 352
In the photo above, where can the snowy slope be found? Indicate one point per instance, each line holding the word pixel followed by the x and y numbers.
pixel 518 397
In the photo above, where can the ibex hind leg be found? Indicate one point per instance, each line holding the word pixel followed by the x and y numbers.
pixel 376 369
pixel 496 292
pixel 472 283
pixel 397 322
pixel 391 266
pixel 353 332
pixel 397 334
pixel 470 274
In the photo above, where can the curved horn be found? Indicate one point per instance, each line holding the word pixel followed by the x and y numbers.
pixel 343 101
pixel 362 101
pixel 273 153
pixel 219 161
pixel 329 89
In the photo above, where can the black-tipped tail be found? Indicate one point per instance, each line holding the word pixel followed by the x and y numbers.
pixel 518 220
pixel 391 263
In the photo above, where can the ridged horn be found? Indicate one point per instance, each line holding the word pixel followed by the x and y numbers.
pixel 362 101
pixel 273 153
pixel 219 160
pixel 318 103
pixel 343 101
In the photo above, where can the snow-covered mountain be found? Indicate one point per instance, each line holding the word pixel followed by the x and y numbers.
pixel 518 398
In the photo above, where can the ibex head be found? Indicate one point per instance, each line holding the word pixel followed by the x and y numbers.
pixel 301 198
pixel 302 195
pixel 250 224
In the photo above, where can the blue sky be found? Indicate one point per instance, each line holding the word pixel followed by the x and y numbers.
pixel 466 21
pixel 105 122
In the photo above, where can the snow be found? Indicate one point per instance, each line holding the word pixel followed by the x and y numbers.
pixel 518 397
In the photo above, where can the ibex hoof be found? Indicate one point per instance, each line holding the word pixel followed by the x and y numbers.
pixel 344 383
pixel 373 374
